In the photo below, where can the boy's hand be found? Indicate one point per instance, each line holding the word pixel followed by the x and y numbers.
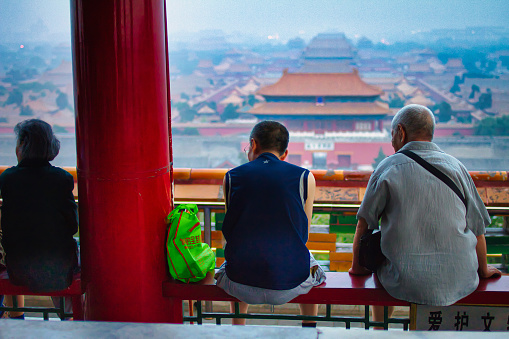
pixel 359 270
pixel 313 270
pixel 490 272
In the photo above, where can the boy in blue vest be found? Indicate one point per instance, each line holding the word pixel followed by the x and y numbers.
pixel 269 204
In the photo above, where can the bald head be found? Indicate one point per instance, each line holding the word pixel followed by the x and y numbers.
pixel 418 122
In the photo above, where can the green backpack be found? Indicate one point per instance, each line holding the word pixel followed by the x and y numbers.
pixel 189 259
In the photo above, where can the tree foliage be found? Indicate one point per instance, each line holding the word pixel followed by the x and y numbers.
pixel 296 43
pixel 443 57
pixel 37 86
pixel 493 126
pixel 505 60
pixel 364 43
pixel 381 156
pixel 212 105
pixel 229 113
pixel 62 101
pixel 186 113
pixel 26 110
pixel 251 100
pixel 59 129
pixel 396 102
pixel 183 61
pixel 15 97
pixel 16 75
pixel 444 110
pixel 475 89
pixel 485 100
pixel 189 131
pixel 37 62
pixel 456 86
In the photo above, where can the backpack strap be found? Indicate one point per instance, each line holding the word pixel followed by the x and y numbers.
pixel 436 172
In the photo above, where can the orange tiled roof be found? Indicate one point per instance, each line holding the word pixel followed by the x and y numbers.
pixel 310 108
pixel 320 84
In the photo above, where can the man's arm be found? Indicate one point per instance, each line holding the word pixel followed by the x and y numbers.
pixel 356 269
pixel 308 206
pixel 485 270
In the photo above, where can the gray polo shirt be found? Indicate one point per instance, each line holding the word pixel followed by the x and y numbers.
pixel 428 237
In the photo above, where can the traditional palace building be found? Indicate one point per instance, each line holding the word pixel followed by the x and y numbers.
pixel 335 119
pixel 328 53
pixel 323 102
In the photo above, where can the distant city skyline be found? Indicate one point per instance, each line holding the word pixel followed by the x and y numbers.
pixel 391 20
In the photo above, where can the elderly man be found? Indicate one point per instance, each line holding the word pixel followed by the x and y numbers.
pixel 269 204
pixel 434 243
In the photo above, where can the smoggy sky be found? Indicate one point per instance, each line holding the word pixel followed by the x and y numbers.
pixel 375 19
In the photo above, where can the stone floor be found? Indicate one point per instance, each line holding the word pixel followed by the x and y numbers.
pixel 10 329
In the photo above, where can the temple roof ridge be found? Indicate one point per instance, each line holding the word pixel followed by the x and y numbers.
pixel 321 84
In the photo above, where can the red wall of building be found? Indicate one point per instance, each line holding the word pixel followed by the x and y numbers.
pixel 224 131
pixel 447 132
pixel 360 153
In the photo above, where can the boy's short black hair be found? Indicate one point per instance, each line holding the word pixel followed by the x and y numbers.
pixel 36 140
pixel 271 136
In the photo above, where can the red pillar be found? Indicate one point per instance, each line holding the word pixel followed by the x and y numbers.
pixel 122 133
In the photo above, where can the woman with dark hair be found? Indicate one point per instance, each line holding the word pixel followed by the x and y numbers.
pixel 39 214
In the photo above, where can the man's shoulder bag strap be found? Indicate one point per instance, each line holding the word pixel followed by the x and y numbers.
pixel 436 172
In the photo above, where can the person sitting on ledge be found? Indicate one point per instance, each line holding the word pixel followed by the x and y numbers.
pixel 269 205
pixel 433 243
pixel 39 214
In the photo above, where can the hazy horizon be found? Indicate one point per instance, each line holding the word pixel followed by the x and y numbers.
pixel 49 20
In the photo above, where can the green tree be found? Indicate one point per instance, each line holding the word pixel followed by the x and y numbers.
pixel 16 75
pixel 62 101
pixel 456 86
pixel 364 43
pixel 493 126
pixel 37 86
pixel 296 43
pixel 26 110
pixel 251 100
pixel 396 102
pixel 381 156
pixel 485 100
pixel 229 113
pixel 475 89
pixel 490 66
pixel 15 97
pixel 184 96
pixel 505 60
pixel 59 129
pixel 471 58
pixel 443 57
pixel 186 113
pixel 37 62
pixel 212 105
pixel 190 131
pixel 445 111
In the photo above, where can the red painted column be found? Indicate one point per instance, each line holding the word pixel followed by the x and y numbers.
pixel 122 133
